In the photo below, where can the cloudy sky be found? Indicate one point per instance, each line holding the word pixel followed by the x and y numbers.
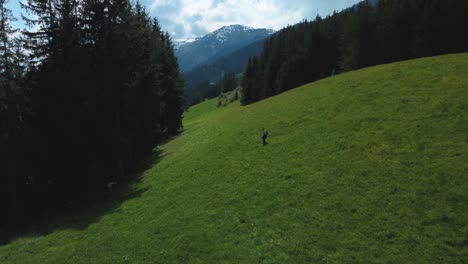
pixel 193 18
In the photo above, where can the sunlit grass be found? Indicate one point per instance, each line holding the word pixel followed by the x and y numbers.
pixel 369 166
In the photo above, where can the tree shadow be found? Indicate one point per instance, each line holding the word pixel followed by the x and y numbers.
pixel 168 138
pixel 85 212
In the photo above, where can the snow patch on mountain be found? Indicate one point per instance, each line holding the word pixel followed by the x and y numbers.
pixel 223 34
pixel 179 42
pixel 216 44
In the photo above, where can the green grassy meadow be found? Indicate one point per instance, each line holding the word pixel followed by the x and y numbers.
pixel 369 166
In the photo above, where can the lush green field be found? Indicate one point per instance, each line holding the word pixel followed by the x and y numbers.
pixel 365 167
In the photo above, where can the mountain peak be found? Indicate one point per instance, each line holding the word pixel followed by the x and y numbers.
pixel 223 33
pixel 235 27
pixel 218 43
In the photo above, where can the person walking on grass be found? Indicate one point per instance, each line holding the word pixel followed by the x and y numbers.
pixel 264 136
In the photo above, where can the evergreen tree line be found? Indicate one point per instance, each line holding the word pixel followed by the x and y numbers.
pixel 207 90
pixel 83 98
pixel 198 80
pixel 229 82
pixel 365 35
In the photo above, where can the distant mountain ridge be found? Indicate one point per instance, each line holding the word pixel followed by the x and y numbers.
pixel 179 42
pixel 198 79
pixel 217 44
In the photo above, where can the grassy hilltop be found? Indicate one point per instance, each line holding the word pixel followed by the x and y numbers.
pixel 369 167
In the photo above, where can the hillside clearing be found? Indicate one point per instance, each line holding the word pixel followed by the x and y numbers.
pixel 369 166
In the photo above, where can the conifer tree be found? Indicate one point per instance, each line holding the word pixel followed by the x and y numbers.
pixel 8 112
pixel 106 89
pixel 366 34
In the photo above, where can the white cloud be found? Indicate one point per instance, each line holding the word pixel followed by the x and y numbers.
pixel 158 3
pixel 192 18
pixel 257 14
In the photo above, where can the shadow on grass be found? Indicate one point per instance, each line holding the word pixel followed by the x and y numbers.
pixel 82 214
pixel 166 139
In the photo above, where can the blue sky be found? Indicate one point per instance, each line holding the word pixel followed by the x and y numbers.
pixel 192 18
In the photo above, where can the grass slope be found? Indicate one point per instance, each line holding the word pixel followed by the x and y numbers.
pixel 365 167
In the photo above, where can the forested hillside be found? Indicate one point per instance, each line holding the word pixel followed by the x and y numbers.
pixel 84 96
pixel 198 80
pixel 367 34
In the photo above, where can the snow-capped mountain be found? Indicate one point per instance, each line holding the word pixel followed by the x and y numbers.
pixel 226 33
pixel 217 44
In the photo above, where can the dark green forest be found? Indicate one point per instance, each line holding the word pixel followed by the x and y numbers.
pixel 209 90
pixel 198 80
pixel 84 97
pixel 365 35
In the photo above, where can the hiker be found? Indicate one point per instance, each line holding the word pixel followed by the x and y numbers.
pixel 264 136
